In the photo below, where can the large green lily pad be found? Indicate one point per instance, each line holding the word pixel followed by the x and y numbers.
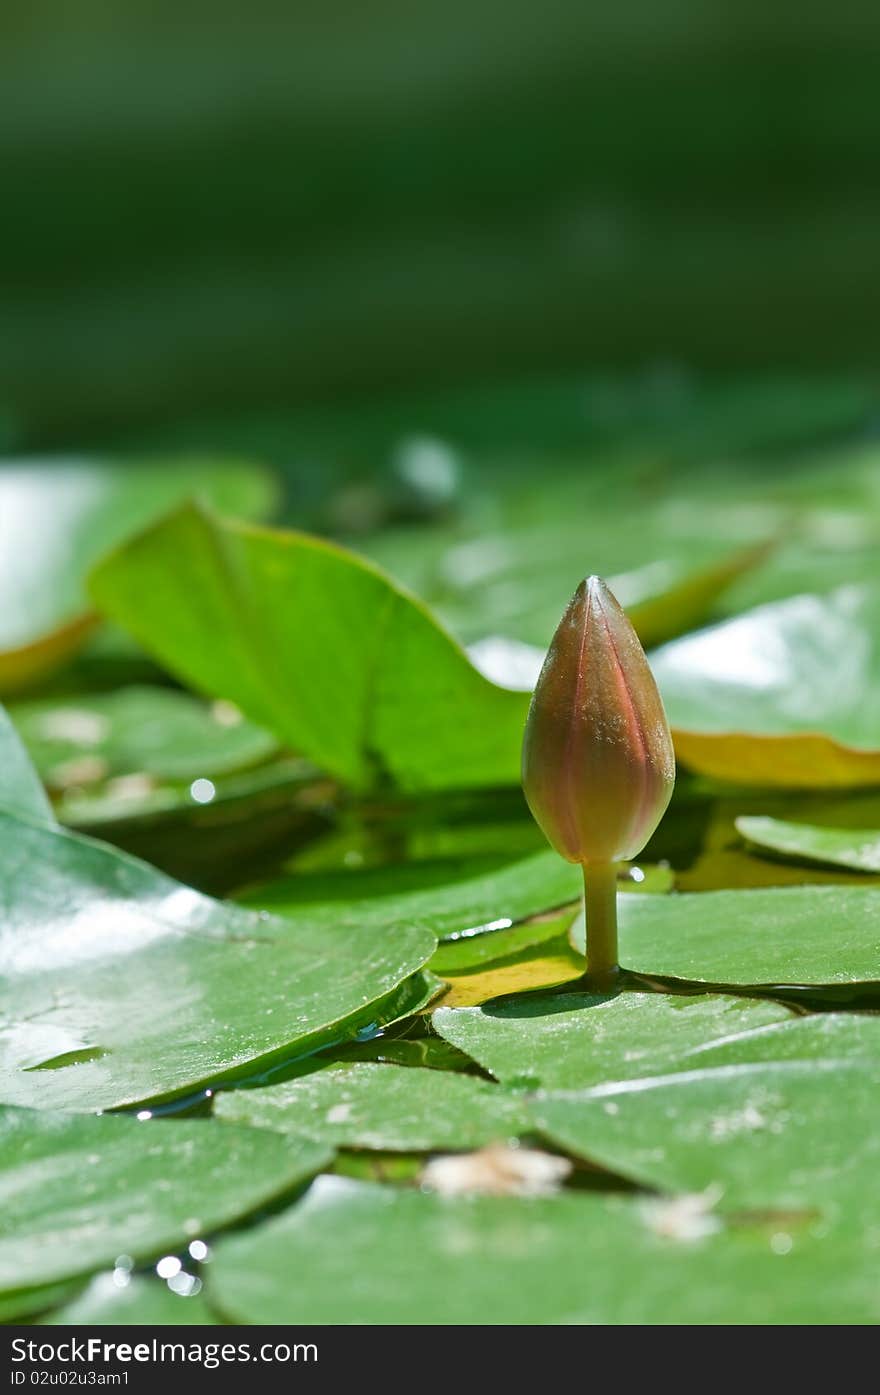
pixel 787 694
pixel 315 645
pixel 120 985
pixel 391 1108
pixel 793 1132
pixel 569 1041
pixel 454 898
pixel 59 516
pixel 355 1252
pixel 786 935
pixel 78 1191
pixel 856 848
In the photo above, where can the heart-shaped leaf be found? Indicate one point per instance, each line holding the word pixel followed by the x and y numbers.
pixel 79 1190
pixel 243 614
pixel 57 517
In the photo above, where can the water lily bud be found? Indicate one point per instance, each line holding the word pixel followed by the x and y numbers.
pixel 598 765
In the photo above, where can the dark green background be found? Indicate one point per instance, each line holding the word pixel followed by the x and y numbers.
pixel 211 206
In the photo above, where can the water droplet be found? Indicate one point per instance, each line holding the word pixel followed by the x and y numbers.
pixel 198 1250
pixel 503 923
pixel 202 791
pixel 168 1267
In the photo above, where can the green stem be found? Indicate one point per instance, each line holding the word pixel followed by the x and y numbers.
pixel 600 906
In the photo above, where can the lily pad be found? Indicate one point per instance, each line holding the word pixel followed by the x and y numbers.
pixel 79 1190
pixel 158 991
pixel 472 953
pixel 244 613
pixel 354 1252
pixel 57 517
pixel 156 733
pixel 138 1302
pixel 454 898
pixel 793 1132
pixel 390 1108
pixel 570 1041
pixel 810 935
pixel 787 694
pixel 856 848
pixel 22 790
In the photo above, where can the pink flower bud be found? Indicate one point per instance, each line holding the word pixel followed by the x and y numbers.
pixel 598 764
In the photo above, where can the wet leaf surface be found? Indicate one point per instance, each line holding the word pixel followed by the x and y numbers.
pixel 790 1133
pixel 572 1041
pixel 361 1253
pixel 787 935
pixel 165 990
pixel 81 1190
pixel 382 1107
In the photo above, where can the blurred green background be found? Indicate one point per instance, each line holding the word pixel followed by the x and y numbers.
pixel 213 208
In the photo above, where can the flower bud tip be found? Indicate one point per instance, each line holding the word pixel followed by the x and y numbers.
pixel 598 763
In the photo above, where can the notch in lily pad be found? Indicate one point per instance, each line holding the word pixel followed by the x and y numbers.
pixel 598 765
